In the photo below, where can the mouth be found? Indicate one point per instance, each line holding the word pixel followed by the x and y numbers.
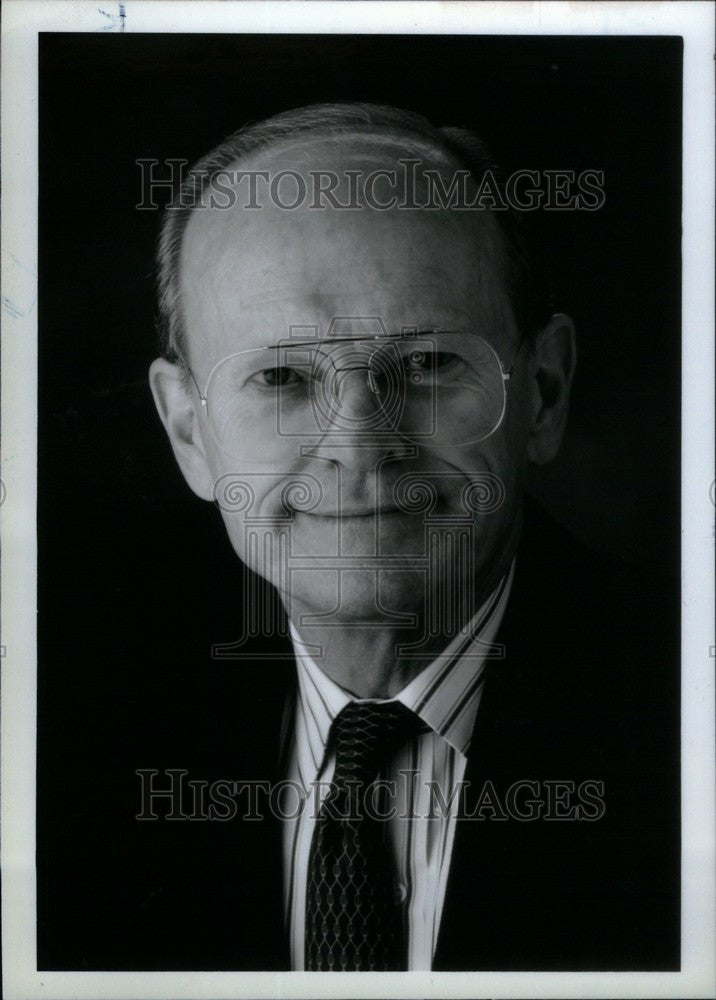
pixel 359 512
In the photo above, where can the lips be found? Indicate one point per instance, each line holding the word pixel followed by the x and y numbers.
pixel 358 512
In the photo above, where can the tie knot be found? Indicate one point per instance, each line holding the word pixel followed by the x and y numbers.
pixel 367 735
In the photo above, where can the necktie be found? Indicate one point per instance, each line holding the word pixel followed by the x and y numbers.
pixel 352 921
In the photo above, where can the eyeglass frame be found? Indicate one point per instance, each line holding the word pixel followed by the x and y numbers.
pixel 506 373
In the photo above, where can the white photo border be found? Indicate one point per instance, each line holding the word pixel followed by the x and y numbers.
pixel 21 22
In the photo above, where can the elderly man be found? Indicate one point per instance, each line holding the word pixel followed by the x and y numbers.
pixel 358 366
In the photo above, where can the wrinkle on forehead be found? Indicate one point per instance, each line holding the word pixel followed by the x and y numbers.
pixel 270 267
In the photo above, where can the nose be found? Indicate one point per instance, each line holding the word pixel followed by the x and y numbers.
pixel 358 432
pixel 356 396
pixel 362 453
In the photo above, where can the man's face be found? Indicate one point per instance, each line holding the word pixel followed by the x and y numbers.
pixel 253 278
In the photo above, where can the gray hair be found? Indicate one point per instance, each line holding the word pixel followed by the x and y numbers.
pixel 530 303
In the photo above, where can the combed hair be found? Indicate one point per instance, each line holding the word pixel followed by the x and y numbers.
pixel 530 303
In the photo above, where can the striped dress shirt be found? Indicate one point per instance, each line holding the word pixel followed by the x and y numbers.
pixel 445 695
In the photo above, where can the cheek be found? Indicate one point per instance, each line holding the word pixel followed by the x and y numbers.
pixel 262 546
pixel 485 483
pixel 505 453
pixel 252 508
pixel 253 493
pixel 518 417
pixel 478 479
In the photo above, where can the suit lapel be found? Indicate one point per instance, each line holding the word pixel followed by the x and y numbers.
pixel 510 729
pixel 262 862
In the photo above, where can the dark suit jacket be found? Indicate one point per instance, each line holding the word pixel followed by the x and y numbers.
pixel 588 690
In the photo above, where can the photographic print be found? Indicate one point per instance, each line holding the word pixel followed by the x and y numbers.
pixel 361 400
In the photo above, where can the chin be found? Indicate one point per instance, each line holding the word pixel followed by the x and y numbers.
pixel 345 595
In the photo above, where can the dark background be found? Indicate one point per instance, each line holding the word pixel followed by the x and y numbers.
pixel 560 103
pixel 128 557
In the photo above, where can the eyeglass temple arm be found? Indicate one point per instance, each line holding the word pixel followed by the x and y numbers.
pixel 505 372
pixel 185 364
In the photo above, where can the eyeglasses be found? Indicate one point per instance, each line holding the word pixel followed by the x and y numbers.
pixel 440 388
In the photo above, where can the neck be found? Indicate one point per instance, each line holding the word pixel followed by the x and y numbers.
pixel 365 661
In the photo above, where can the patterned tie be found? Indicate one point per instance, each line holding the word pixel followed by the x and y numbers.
pixel 352 921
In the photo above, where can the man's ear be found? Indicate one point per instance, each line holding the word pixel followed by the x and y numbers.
pixel 553 358
pixel 179 414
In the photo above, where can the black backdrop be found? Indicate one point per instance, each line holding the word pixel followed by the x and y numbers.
pixel 562 103
pixel 126 552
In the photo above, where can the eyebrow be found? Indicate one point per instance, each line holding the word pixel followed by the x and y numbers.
pixel 403 335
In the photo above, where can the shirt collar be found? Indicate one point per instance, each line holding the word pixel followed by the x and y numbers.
pixel 445 695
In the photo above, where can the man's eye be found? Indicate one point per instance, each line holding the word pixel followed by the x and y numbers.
pixel 279 376
pixel 430 361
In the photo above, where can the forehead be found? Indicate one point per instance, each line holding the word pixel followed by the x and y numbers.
pixel 251 273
